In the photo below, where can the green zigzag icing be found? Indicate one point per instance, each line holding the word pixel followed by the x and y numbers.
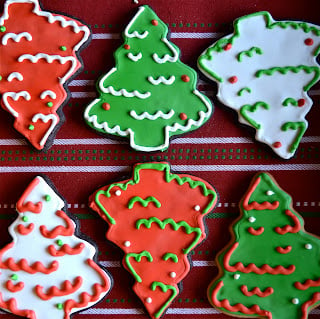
pixel 168 176
pixel 289 101
pixel 172 256
pixel 169 221
pixel 137 258
pixel 252 108
pixel 249 53
pixel 301 126
pixel 143 202
pixel 164 288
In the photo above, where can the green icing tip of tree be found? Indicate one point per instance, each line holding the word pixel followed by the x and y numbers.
pixel 271 268
pixel 150 95
pixel 270 62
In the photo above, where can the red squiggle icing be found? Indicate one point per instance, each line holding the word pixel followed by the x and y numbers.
pixel 278 270
pixel 59 230
pixel 307 284
pixel 256 232
pixel 22 264
pixel 255 309
pixel 256 205
pixel 282 250
pixel 29 206
pixel 85 297
pixel 66 289
pixel 65 250
pixel 11 305
pixel 25 230
pixel 14 288
pixel 256 291
pixel 288 228
pixel 308 304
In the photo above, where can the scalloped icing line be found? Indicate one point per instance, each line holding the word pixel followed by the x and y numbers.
pixel 15 96
pixel 45 118
pixel 134 58
pixel 135 34
pixel 49 93
pixel 162 79
pixel 148 116
pixel 15 75
pixel 16 37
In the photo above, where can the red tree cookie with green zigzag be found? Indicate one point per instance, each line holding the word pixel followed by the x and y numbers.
pixel 48 271
pixel 38 51
pixel 156 218
pixel 271 267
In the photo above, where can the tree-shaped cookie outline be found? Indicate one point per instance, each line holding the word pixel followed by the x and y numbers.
pixel 149 90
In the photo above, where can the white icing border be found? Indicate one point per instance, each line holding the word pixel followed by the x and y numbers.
pixel 49 93
pixel 15 75
pixel 16 37
pixel 148 116
pixel 134 58
pixel 135 34
pixel 15 96
pixel 51 19
pixel 162 79
pixel 45 118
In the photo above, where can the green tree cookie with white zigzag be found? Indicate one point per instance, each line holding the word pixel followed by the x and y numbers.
pixel 150 95
pixel 264 71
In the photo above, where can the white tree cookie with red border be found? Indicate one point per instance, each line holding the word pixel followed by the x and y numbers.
pixel 38 51
pixel 47 271
pixel 264 71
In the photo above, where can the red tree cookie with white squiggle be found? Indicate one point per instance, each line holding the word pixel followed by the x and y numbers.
pixel 156 218
pixel 46 271
pixel 38 51
pixel 271 268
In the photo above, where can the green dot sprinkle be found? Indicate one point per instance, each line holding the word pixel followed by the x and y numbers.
pixel 59 242
pixel 63 48
pixel 50 104
pixel 31 127
pixel 60 306
pixel 3 29
pixel 14 277
pixel 47 198
pixel 0 77
pixel 25 218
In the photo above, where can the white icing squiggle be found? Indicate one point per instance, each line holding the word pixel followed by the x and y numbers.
pixel 134 58
pixel 15 75
pixel 166 57
pixel 50 59
pixel 148 116
pixel 125 93
pixel 161 79
pixel 51 19
pixel 16 37
pixel 15 96
pixel 135 34
pixel 49 93
pixel 45 118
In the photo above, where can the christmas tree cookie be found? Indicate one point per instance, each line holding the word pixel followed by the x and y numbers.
pixel 156 218
pixel 271 268
pixel 38 51
pixel 47 271
pixel 149 91
pixel 264 71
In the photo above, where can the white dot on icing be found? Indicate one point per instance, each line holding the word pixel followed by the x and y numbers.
pixel 269 193
pixel 173 274
pixel 118 192
pixel 236 276
pixel 308 246
pixel 127 243
pixel 197 208
pixel 252 219
pixel 295 301
pixel 148 300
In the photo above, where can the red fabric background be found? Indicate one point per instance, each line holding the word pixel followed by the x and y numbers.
pixel 230 175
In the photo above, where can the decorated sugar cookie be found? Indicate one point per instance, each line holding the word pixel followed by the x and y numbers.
pixel 38 51
pixel 156 218
pixel 150 95
pixel 47 271
pixel 264 71
pixel 271 267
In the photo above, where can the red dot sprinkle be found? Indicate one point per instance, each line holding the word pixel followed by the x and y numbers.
pixel 228 47
pixel 308 41
pixel 277 144
pixel 233 79
pixel 301 102
pixel 127 46
pixel 154 22
pixel 185 78
pixel 183 116
pixel 106 106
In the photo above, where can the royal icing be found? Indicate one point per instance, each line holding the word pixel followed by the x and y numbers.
pixel 264 71
pixel 148 80
pixel 33 61
pixel 155 214
pixel 40 278
pixel 279 276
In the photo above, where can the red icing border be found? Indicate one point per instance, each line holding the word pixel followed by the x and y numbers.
pixel 308 304
pixel 29 206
